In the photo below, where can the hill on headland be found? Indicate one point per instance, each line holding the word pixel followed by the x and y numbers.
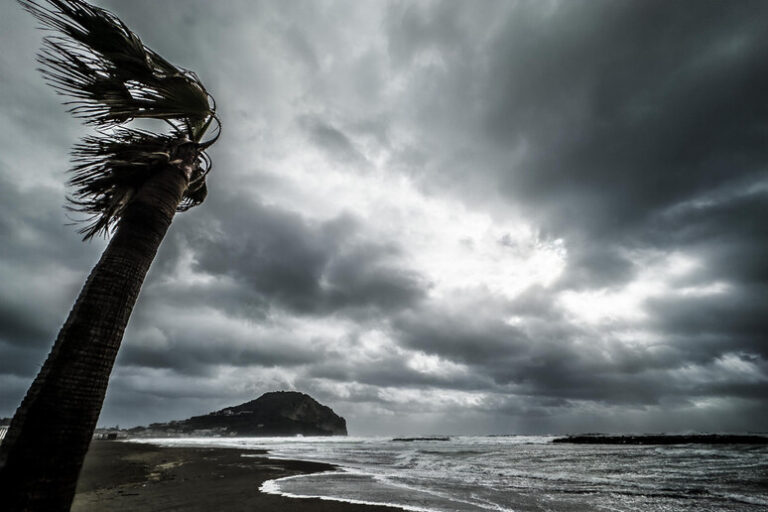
pixel 278 413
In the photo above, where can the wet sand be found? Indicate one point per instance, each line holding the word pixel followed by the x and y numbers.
pixel 120 476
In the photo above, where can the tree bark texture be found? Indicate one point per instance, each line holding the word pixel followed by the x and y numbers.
pixel 43 452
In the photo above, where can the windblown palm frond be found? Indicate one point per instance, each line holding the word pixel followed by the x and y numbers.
pixel 111 74
pixel 109 169
pixel 113 78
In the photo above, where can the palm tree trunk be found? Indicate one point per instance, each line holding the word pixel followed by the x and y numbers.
pixel 44 449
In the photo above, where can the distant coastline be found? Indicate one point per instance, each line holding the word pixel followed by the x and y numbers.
pixel 413 439
pixel 664 439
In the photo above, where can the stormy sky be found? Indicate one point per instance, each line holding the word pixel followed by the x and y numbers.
pixel 455 217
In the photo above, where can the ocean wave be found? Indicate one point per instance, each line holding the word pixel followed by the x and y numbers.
pixel 741 498
pixel 273 487
pixel 512 473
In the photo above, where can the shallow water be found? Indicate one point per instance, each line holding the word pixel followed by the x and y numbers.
pixel 522 474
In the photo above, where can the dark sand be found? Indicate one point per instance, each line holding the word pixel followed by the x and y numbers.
pixel 120 476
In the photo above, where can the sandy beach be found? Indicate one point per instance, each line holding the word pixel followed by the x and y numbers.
pixel 120 476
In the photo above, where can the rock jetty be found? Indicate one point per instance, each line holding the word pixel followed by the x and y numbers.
pixel 665 439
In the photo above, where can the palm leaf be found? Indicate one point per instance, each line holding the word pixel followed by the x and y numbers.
pixel 110 74
pixel 110 168
pixel 113 78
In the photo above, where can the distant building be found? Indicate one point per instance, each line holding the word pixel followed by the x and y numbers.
pixel 108 435
pixel 3 431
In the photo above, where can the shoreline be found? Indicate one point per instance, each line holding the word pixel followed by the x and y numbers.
pixel 125 476
pixel 665 439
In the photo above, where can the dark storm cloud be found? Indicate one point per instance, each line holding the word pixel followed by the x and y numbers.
pixel 391 370
pixel 624 104
pixel 599 114
pixel 17 326
pixel 596 265
pixel 477 340
pixel 547 357
pixel 626 110
pixel 624 131
pixel 726 227
pixel 34 296
pixel 19 362
pixel 310 267
pixel 285 261
pixel 363 275
pixel 264 260
pixel 334 142
pixel 33 214
pixel 733 321
pixel 622 127
pixel 199 353
pixel 41 269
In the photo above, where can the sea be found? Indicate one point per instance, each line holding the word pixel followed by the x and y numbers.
pixel 517 473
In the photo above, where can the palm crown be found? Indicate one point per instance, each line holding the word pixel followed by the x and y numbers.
pixel 113 79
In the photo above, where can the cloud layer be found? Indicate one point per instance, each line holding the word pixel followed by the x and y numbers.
pixel 490 217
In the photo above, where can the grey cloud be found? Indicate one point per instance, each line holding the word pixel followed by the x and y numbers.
pixel 732 320
pixel 31 217
pixel 334 142
pixel 191 353
pixel 19 361
pixel 34 298
pixel 307 267
pixel 596 265
pixel 593 116
pixel 363 271
pixel 274 251
pixel 414 28
pixel 594 108
pixel 618 121
pixel 473 339
pixel 618 128
pixel 546 357
pixel 21 331
pixel 728 232
pixel 393 371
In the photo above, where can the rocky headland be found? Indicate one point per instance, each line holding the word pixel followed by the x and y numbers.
pixel 278 413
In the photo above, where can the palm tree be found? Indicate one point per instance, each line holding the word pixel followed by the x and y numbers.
pixel 129 182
